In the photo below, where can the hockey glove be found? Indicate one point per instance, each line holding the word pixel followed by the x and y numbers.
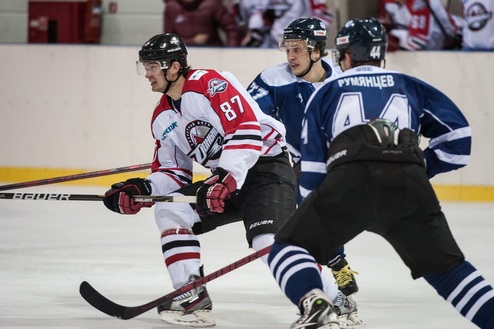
pixel 214 191
pixel 255 39
pixel 119 197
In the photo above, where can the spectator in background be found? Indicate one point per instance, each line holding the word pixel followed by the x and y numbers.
pixel 262 22
pixel 478 31
pixel 423 25
pixel 199 22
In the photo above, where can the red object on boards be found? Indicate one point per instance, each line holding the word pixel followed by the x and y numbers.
pixel 77 21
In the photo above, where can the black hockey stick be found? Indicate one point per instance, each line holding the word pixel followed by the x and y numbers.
pixel 93 197
pixel 100 302
pixel 68 178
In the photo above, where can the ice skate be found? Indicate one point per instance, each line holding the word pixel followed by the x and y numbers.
pixel 346 308
pixel 192 308
pixel 316 312
pixel 345 278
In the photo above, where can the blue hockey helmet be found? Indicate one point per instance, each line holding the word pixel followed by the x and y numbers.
pixel 311 30
pixel 364 39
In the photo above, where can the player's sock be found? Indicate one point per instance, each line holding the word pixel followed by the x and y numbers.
pixel 468 292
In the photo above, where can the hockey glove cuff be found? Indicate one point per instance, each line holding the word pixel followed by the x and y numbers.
pixel 119 197
pixel 215 190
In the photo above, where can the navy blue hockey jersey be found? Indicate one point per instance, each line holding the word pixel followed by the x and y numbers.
pixel 364 93
pixel 282 95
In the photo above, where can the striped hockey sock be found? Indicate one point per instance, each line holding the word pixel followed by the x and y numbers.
pixel 295 271
pixel 468 292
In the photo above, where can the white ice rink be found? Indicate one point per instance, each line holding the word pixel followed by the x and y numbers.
pixel 47 248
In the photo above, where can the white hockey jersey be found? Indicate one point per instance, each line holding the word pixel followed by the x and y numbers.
pixel 215 123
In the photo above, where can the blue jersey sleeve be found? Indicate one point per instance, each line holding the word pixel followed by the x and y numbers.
pixel 447 129
pixel 263 94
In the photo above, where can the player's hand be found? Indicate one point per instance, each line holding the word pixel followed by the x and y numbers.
pixel 214 191
pixel 201 39
pixel 119 197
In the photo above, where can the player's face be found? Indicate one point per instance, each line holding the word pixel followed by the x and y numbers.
pixel 297 55
pixel 155 75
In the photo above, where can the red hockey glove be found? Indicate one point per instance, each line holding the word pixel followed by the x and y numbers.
pixel 214 191
pixel 119 197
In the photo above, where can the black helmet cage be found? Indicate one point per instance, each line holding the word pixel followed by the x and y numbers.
pixel 365 40
pixel 164 49
pixel 311 30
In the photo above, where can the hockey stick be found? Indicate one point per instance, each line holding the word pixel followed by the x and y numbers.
pixel 100 302
pixel 93 197
pixel 75 177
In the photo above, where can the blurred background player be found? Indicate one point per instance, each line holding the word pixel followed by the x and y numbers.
pixel 262 22
pixel 201 22
pixel 423 25
pixel 478 30
pixel 283 91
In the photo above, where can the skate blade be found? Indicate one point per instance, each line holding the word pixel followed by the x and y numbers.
pixel 197 319
pixel 332 325
pixel 351 321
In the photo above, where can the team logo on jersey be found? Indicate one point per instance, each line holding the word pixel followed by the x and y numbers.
pixel 477 16
pixel 216 86
pixel 204 140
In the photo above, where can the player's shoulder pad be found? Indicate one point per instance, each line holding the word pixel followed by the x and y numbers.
pixel 278 75
pixel 203 79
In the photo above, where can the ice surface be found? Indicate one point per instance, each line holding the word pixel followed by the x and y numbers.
pixel 47 248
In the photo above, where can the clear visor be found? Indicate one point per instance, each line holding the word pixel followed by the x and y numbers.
pixel 296 47
pixel 152 67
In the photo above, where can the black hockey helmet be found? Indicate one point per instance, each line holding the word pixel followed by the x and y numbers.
pixel 165 49
pixel 312 30
pixel 364 39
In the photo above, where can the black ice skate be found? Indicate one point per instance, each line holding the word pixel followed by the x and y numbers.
pixel 345 278
pixel 192 308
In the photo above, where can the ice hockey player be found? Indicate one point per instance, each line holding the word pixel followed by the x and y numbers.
pixel 207 117
pixel 362 162
pixel 283 91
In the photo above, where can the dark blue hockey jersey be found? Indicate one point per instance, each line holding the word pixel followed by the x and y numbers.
pixel 367 92
pixel 282 95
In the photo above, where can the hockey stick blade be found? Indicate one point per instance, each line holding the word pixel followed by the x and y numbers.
pixel 103 304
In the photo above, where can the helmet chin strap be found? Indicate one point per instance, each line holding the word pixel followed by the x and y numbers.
pixel 309 68
pixel 170 82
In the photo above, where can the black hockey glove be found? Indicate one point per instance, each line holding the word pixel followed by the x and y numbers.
pixel 214 191
pixel 119 197
pixel 255 40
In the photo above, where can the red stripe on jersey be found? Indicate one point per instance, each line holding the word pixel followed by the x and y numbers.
pixel 175 179
pixel 242 147
pixel 244 127
pixel 181 257
pixel 272 132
